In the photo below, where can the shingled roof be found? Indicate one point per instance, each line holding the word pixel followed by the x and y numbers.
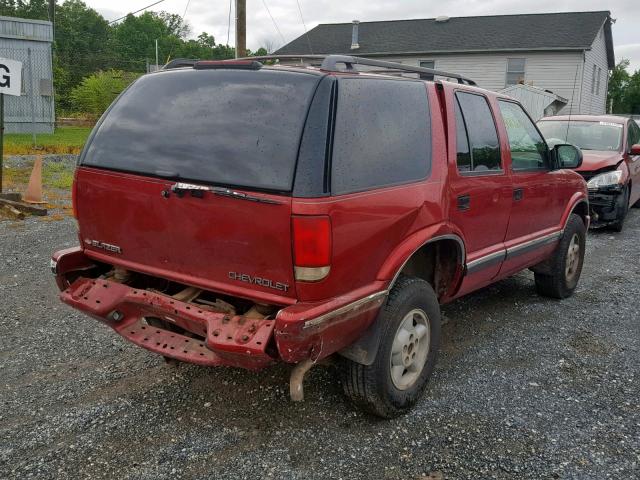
pixel 495 33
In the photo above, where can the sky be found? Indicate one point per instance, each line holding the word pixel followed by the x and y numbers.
pixel 212 16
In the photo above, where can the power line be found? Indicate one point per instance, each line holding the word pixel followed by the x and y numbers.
pixel 133 13
pixel 185 10
pixel 229 22
pixel 306 33
pixel 274 21
pixel 172 46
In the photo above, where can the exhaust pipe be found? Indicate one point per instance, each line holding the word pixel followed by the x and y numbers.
pixel 296 390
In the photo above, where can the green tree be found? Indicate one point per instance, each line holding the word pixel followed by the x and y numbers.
pixel 133 39
pixel 80 47
pixel 618 81
pixel 632 94
pixel 96 92
pixel 261 52
pixel 34 9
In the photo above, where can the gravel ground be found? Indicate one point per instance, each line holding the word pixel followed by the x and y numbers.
pixel 525 387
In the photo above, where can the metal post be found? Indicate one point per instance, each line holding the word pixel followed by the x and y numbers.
pixel 241 28
pixel 1 137
pixel 32 98
pixel 52 16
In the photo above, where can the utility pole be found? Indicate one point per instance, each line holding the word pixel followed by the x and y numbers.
pixel 241 28
pixel 52 15
pixel 156 56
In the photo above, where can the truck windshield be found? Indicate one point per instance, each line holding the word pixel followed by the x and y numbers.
pixel 603 136
pixel 226 127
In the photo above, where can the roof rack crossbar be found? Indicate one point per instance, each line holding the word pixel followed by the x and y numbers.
pixel 330 63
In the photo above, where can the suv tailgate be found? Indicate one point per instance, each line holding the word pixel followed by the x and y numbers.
pixel 216 242
pixel 220 128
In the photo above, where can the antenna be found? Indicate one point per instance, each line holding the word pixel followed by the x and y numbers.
pixel 575 79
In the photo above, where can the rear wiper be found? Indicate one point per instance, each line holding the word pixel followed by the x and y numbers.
pixel 198 191
pixel 227 192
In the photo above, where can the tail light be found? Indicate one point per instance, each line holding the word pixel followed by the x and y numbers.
pixel 74 195
pixel 311 247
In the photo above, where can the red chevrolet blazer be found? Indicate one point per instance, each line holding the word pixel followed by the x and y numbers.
pixel 242 214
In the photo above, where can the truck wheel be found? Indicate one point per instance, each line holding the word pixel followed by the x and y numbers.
pixel 410 337
pixel 566 262
pixel 623 209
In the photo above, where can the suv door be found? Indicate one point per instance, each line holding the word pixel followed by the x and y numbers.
pixel 480 187
pixel 537 207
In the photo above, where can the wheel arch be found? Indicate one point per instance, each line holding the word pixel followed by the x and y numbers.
pixel 439 261
pixel 579 206
pixel 445 255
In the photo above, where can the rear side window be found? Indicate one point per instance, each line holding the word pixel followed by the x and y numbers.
pixel 226 127
pixel 382 134
pixel 482 137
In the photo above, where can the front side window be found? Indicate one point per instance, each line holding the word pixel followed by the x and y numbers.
pixel 515 71
pixel 526 145
pixel 598 81
pixel 593 79
pixel 427 64
pixel 474 113
pixel 382 134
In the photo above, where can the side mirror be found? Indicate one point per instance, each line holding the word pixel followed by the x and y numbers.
pixel 567 156
pixel 635 149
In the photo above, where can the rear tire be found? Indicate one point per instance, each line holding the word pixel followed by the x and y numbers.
pixel 410 337
pixel 623 209
pixel 565 263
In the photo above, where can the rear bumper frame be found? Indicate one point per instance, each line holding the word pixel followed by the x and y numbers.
pixel 299 332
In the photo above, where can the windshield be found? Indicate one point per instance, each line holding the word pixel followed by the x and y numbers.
pixel 226 127
pixel 603 136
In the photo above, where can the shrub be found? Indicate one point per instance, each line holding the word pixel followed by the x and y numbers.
pixel 96 92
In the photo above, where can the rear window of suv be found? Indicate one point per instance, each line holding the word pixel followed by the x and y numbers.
pixel 382 134
pixel 225 127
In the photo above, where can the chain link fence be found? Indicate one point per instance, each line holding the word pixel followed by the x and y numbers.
pixel 33 111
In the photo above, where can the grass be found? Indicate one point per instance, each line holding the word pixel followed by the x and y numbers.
pixel 54 175
pixel 56 186
pixel 64 140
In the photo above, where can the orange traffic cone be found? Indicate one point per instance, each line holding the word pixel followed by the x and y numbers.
pixel 33 194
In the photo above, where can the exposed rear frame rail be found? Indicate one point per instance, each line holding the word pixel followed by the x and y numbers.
pixel 331 63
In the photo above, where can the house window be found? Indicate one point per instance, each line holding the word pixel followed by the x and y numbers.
pixel 593 79
pixel 598 81
pixel 427 64
pixel 515 71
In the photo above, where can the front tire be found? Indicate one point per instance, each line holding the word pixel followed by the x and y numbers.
pixel 410 337
pixel 566 262
pixel 623 209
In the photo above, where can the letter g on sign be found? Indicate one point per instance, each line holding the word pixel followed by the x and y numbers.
pixel 5 79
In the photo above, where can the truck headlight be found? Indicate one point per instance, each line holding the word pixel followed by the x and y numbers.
pixel 605 180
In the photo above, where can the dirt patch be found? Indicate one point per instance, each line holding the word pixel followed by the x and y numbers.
pixel 586 343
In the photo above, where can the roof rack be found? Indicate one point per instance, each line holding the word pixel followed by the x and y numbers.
pixel 330 63
pixel 179 63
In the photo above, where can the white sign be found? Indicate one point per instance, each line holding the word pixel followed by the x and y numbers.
pixel 10 77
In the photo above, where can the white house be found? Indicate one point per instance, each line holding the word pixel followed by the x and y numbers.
pixel 569 54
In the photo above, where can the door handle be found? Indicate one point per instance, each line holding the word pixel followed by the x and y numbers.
pixel 464 202
pixel 518 193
